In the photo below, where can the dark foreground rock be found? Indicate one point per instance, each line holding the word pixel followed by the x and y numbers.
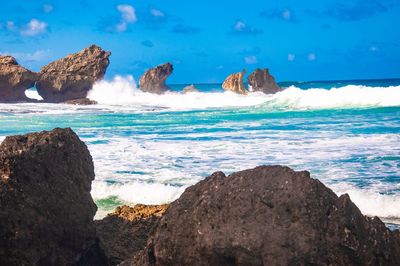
pixel 14 80
pixel 153 80
pixel 267 216
pixel 262 80
pixel 46 210
pixel 126 231
pixel 72 77
pixel 234 83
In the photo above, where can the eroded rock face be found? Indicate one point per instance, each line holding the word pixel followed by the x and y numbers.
pixel 234 82
pixel 270 215
pixel 46 210
pixel 262 80
pixel 14 80
pixel 154 79
pixel 72 77
pixel 126 231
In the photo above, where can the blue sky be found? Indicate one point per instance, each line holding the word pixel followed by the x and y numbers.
pixel 206 40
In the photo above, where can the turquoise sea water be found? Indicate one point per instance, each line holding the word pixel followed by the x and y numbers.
pixel 149 148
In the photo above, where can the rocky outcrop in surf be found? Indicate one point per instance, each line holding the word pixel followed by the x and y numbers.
pixel 269 215
pixel 262 80
pixel 72 77
pixel 190 88
pixel 153 80
pixel 234 83
pixel 126 231
pixel 14 80
pixel 47 211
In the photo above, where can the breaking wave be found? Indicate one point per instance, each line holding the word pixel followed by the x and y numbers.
pixel 123 91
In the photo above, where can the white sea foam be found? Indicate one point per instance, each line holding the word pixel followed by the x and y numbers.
pixel 137 192
pixel 124 91
pixel 33 94
pixel 371 202
pixel 343 97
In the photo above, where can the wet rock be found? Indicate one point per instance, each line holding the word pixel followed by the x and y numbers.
pixel 72 77
pixel 83 101
pixel 126 231
pixel 153 80
pixel 269 215
pixel 190 88
pixel 46 210
pixel 234 83
pixel 262 80
pixel 14 80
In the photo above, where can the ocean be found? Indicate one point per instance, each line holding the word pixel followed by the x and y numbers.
pixel 148 148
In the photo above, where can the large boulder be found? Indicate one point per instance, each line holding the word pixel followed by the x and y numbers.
pixel 234 83
pixel 72 77
pixel 153 80
pixel 14 80
pixel 126 231
pixel 46 210
pixel 262 80
pixel 269 215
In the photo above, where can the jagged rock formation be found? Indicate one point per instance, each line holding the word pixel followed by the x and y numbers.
pixel 262 80
pixel 46 210
pixel 153 80
pixel 126 231
pixel 190 88
pixel 72 77
pixel 234 83
pixel 267 216
pixel 14 80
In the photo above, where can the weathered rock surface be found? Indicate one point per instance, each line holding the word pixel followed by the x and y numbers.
pixel 126 231
pixel 267 216
pixel 153 80
pixel 82 101
pixel 46 210
pixel 72 77
pixel 234 82
pixel 14 80
pixel 262 80
pixel 190 88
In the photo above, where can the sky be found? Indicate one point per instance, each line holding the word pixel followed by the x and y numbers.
pixel 206 40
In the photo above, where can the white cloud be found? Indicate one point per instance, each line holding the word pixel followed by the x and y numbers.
pixel 373 49
pixel 157 13
pixel 128 16
pixel 128 13
pixel 240 25
pixel 250 60
pixel 47 8
pixel 291 57
pixel 312 57
pixel 36 56
pixel 286 14
pixel 10 25
pixel 34 27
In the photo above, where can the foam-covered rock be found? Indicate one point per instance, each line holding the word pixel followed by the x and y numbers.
pixel 262 80
pixel 234 83
pixel 153 80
